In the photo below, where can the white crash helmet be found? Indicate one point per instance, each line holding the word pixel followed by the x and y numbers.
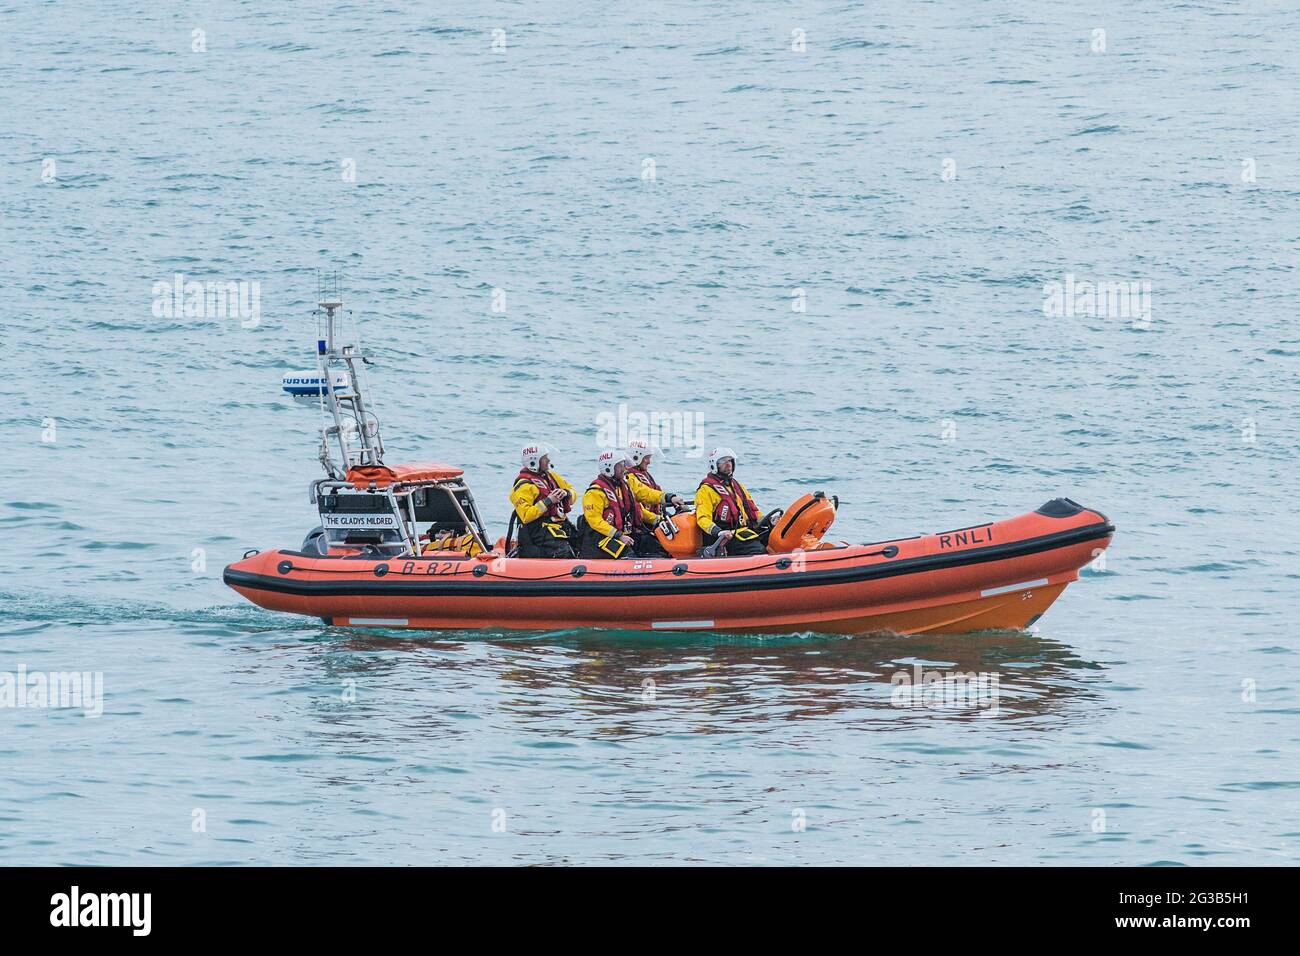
pixel 610 460
pixel 717 455
pixel 532 454
pixel 638 451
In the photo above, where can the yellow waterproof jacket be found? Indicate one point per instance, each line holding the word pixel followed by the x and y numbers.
pixel 450 541
pixel 595 501
pixel 526 497
pixel 706 504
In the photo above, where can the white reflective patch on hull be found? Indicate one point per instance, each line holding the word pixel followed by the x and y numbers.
pixel 1013 587
pixel 379 621
pixel 678 625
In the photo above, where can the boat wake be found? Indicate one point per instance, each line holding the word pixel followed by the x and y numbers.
pixel 23 610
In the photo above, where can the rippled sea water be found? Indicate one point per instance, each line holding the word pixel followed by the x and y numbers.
pixel 1152 716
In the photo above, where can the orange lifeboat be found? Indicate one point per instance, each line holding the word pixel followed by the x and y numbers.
pixel 404 546
pixel 1001 574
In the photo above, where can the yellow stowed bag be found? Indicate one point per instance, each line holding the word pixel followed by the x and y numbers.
pixel 450 541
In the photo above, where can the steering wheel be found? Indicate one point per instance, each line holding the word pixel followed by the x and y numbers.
pixel 770 519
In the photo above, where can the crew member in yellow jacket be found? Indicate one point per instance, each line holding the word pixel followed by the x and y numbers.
pixel 725 511
pixel 617 512
pixel 542 500
pixel 640 453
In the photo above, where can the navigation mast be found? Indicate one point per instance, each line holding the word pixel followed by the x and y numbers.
pixel 355 431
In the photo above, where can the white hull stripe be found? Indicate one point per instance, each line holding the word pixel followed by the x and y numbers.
pixel 379 621
pixel 678 625
pixel 1013 587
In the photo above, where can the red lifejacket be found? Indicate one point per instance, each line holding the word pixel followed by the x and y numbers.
pixel 546 484
pixel 621 509
pixel 735 508
pixel 643 476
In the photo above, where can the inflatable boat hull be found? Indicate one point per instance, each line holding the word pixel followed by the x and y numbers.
pixel 1002 574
